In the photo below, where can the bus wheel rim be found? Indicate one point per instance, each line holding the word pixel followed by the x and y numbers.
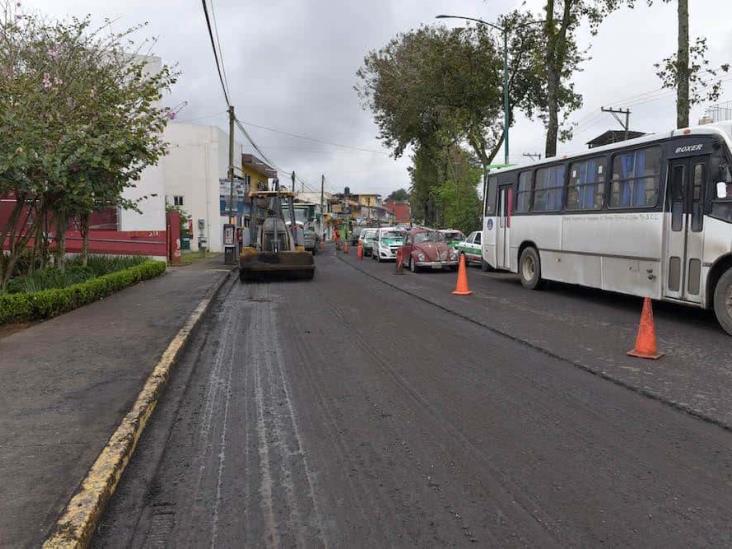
pixel 528 268
pixel 728 301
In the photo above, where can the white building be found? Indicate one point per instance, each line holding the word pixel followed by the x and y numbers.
pixel 198 158
pixel 149 191
pixel 194 173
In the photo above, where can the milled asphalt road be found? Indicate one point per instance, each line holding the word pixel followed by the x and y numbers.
pixel 65 384
pixel 342 412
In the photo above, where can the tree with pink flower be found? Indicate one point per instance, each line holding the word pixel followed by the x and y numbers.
pixel 80 119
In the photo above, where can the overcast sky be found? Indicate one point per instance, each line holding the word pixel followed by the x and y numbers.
pixel 291 66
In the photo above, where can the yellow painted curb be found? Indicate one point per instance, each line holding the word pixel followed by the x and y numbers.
pixel 79 520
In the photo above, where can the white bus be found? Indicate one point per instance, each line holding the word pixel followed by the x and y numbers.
pixel 650 217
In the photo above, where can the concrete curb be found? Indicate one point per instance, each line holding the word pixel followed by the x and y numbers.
pixel 79 520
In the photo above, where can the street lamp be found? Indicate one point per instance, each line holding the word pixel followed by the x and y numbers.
pixel 504 30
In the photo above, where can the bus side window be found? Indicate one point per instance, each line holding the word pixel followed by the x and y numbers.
pixel 636 178
pixel 722 207
pixel 676 196
pixel 523 192
pixel 549 189
pixel 490 199
pixel 697 197
pixel 586 188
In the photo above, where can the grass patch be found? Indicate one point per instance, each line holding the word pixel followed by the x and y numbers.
pixel 75 272
pixel 188 257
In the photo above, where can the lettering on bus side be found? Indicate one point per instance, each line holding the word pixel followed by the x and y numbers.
pixel 689 148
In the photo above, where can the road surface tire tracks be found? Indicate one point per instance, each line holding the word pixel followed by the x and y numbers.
pixel 680 406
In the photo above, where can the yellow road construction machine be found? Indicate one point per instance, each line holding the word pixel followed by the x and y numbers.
pixel 271 250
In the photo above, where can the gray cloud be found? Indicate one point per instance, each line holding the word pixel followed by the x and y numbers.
pixel 291 65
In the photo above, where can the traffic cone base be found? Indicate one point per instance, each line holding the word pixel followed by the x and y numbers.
pixel 654 356
pixel 645 342
pixel 461 288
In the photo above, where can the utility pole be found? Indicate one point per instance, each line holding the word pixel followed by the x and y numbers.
pixel 505 96
pixel 533 156
pixel 322 212
pixel 615 113
pixel 231 164
pixel 293 181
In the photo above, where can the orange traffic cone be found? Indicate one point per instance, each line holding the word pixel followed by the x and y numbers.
pixel 399 264
pixel 645 342
pixel 462 280
pixel 359 251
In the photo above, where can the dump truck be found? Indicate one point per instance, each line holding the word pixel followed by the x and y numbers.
pixel 270 249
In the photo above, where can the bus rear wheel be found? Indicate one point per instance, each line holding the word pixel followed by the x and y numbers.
pixel 530 269
pixel 723 301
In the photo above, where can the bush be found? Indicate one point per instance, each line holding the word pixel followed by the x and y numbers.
pixel 23 307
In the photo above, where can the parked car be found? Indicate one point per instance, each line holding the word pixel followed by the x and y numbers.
pixel 428 249
pixel 367 238
pixel 386 243
pixel 472 247
pixel 453 236
pixel 312 241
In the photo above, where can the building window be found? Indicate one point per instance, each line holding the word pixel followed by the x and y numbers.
pixel 548 189
pixel 523 194
pixel 177 200
pixel 635 179
pixel 586 185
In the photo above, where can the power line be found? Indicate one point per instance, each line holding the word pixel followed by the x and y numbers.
pixel 615 112
pixel 218 43
pixel 642 98
pixel 279 169
pixel 203 117
pixel 315 139
pixel 216 55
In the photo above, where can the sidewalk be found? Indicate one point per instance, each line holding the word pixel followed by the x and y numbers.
pixel 66 383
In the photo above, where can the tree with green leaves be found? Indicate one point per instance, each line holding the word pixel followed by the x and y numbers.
pixel 400 195
pixel 80 119
pixel 444 187
pixel 435 88
pixel 457 195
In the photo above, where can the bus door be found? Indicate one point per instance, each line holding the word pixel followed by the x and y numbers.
pixel 503 241
pixel 685 227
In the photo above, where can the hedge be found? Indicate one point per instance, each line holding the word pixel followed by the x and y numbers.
pixel 23 307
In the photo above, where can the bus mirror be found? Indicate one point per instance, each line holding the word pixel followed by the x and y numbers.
pixel 721 189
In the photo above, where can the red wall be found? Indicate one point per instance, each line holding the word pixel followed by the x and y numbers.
pixel 402 211
pixel 103 236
